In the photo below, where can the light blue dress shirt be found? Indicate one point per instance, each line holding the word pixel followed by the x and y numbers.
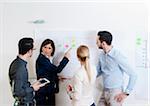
pixel 112 67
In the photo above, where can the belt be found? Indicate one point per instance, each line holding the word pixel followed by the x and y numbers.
pixel 26 104
pixel 18 103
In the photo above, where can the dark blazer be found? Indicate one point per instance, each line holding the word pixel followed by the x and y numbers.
pixel 45 69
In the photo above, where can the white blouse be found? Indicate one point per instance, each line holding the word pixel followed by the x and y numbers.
pixel 82 94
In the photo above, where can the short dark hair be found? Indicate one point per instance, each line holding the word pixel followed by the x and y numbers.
pixel 46 42
pixel 105 36
pixel 24 45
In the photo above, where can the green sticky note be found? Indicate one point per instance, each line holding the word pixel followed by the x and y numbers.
pixel 73 45
pixel 139 39
pixel 138 43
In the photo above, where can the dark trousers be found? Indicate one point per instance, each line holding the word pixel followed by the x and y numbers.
pixel 45 99
pixel 93 104
pixel 26 104
pixel 19 103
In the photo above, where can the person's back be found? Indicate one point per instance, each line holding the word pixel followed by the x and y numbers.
pixel 81 92
pixel 84 89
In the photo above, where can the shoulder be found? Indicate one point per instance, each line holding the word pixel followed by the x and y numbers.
pixel 78 74
pixel 116 53
pixel 18 63
pixel 101 53
pixel 42 58
pixel 14 63
pixel 118 56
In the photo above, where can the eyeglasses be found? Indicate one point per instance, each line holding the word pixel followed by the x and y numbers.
pixel 33 49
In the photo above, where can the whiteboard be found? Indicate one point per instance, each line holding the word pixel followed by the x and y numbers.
pixel 63 41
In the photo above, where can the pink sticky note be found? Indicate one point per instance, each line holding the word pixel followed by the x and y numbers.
pixel 66 46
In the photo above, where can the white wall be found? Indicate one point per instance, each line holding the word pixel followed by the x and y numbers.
pixel 122 19
pixel 22 1
pixel 1 50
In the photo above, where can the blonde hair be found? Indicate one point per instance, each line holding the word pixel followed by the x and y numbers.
pixel 83 55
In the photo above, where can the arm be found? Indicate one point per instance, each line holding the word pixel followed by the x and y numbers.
pixel 64 61
pixel 44 66
pixel 21 87
pixel 77 88
pixel 62 64
pixel 125 67
pixel 98 68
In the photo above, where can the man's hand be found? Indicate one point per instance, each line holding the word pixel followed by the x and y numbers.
pixel 120 97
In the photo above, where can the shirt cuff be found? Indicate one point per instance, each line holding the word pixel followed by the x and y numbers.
pixel 127 91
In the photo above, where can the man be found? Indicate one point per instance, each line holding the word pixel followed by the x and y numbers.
pixel 18 74
pixel 112 65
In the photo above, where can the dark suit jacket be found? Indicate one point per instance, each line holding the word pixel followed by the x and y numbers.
pixel 45 69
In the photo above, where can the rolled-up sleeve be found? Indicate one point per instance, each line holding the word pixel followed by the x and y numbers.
pixel 125 67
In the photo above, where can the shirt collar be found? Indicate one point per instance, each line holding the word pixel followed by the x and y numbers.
pixel 50 58
pixel 23 61
pixel 111 52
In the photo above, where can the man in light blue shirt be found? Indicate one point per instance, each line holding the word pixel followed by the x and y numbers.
pixel 112 65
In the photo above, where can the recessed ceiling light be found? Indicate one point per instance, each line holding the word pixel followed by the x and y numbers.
pixel 38 21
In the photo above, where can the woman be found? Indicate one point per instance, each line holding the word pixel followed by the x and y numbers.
pixel 81 91
pixel 45 69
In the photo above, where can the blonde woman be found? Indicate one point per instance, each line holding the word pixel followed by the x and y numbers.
pixel 81 89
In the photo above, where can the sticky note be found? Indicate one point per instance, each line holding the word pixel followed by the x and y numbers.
pixel 66 46
pixel 73 45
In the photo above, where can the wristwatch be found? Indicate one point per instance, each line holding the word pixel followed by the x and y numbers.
pixel 126 93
